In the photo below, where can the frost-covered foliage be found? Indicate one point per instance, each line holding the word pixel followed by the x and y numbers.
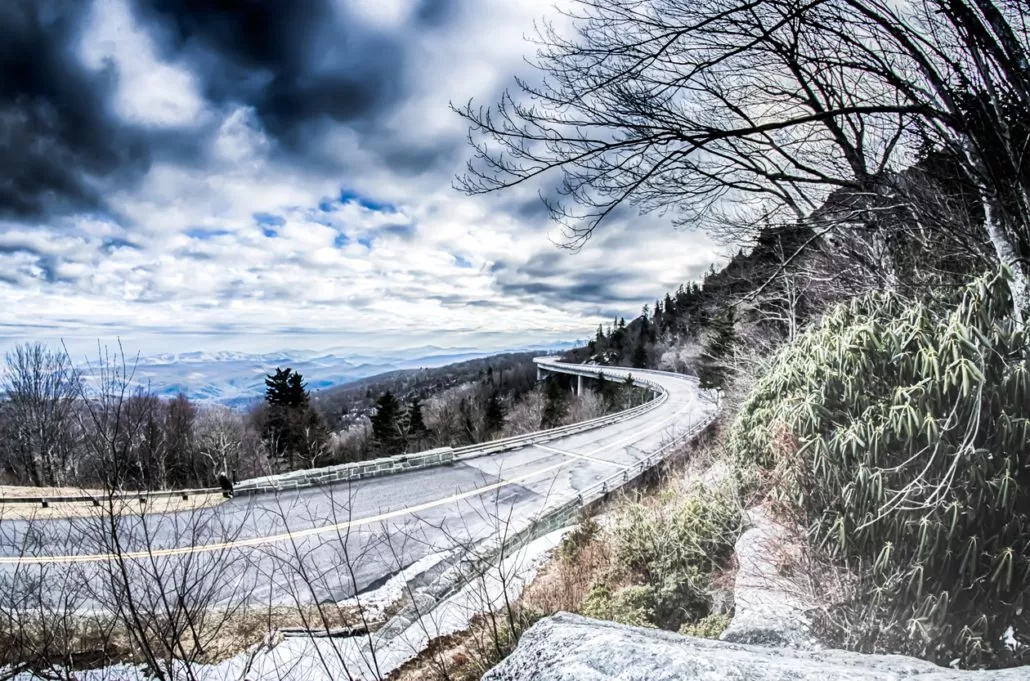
pixel 902 435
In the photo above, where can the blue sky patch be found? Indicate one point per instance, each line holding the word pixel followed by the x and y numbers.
pixel 348 196
pixel 267 219
pixel 341 240
pixel 268 223
pixel 461 261
pixel 111 245
pixel 204 233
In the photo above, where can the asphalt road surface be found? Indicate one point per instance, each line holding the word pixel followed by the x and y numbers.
pixel 329 543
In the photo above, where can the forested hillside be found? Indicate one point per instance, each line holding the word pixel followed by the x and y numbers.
pixel 60 427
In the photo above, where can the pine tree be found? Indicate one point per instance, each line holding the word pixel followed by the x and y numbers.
pixel 554 404
pixel 285 388
pixel 386 424
pixel 608 392
pixel 715 368
pixel 639 357
pixel 494 416
pixel 416 423
pixel 669 307
pixel 629 390
pixel 292 427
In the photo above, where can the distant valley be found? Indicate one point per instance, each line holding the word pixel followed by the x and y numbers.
pixel 238 379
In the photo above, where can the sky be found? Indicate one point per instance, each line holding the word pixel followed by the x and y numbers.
pixel 256 176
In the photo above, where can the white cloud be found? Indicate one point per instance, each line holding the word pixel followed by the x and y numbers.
pixel 150 91
pixel 187 261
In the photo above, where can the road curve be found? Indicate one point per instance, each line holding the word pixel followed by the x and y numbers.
pixel 268 547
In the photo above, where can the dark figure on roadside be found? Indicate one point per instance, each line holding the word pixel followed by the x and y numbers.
pixel 226 484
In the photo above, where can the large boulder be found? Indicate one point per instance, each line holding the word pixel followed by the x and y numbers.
pixel 566 647
pixel 769 608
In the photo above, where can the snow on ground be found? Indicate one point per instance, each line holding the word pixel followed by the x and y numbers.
pixel 375 602
pixel 297 659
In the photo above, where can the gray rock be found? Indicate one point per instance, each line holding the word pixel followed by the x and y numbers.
pixel 769 608
pixel 567 647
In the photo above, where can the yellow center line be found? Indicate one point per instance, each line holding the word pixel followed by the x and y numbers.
pixel 272 539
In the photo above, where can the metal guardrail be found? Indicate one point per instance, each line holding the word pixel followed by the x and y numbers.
pixel 618 480
pixel 98 500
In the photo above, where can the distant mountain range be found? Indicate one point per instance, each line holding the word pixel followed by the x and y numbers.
pixel 238 378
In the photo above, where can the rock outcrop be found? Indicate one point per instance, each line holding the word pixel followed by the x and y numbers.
pixel 770 609
pixel 566 647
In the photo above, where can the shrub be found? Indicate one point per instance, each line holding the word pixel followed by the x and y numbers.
pixel 687 533
pixel 633 605
pixel 900 433
pixel 675 545
pixel 707 627
pixel 574 542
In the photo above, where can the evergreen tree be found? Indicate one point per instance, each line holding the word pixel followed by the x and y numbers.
pixel 715 367
pixel 292 428
pixel 285 388
pixel 386 430
pixel 629 390
pixel 416 423
pixel 639 357
pixel 494 416
pixel 554 404
pixel 608 392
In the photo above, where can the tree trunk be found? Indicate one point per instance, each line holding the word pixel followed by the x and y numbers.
pixel 1008 255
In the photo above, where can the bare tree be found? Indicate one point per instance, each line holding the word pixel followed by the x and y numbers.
pixel 38 425
pixel 225 442
pixel 730 112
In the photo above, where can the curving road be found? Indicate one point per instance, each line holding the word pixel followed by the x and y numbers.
pixel 328 543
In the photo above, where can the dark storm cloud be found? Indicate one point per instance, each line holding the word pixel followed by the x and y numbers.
pixel 405 232
pixel 436 12
pixel 297 62
pixel 550 278
pixel 59 144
